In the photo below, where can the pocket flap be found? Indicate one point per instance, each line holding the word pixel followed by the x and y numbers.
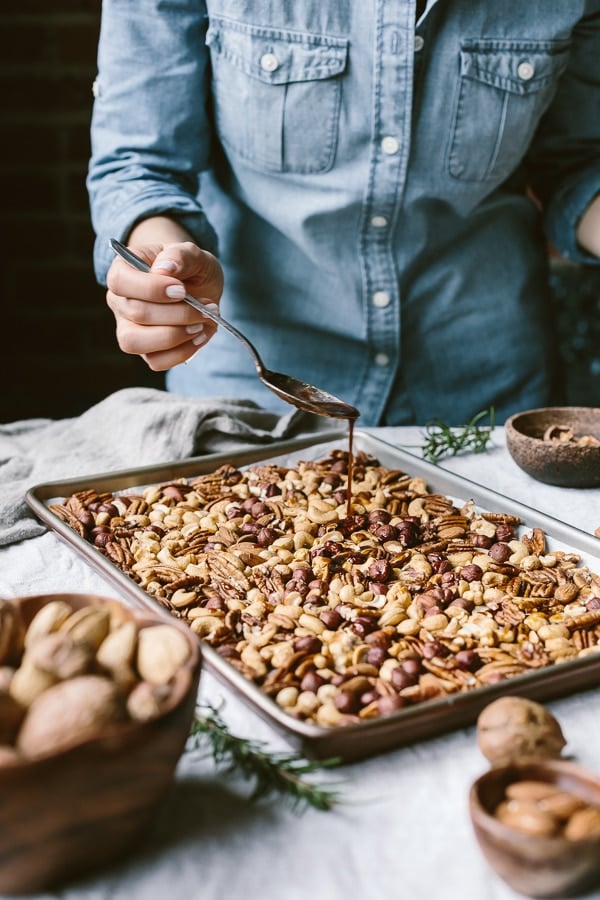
pixel 277 56
pixel 521 67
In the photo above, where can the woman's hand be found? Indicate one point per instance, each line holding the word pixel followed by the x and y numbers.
pixel 153 321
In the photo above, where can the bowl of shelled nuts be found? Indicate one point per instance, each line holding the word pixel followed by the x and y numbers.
pixel 538 825
pixel 535 814
pixel 96 704
pixel 557 445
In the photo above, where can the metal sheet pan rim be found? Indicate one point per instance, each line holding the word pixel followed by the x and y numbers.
pixel 379 733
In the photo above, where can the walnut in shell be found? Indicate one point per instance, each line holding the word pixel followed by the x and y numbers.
pixel 512 729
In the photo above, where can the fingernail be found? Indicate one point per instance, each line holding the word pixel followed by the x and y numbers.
pixel 197 328
pixel 169 265
pixel 176 291
pixel 212 307
pixel 199 340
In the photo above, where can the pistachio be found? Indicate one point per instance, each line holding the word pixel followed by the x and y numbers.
pixel 29 682
pixel 147 701
pixel 69 712
pixel 162 650
pixel 49 618
pixel 116 653
pixel 90 624
pixel 60 656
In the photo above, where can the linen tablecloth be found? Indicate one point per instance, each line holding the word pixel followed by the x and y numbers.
pixel 402 829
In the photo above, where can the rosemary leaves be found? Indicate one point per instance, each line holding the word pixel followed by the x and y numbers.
pixel 273 774
pixel 445 440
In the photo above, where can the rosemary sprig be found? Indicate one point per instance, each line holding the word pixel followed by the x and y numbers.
pixel 274 774
pixel 444 440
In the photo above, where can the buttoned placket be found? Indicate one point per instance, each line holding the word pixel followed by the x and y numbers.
pixel 393 76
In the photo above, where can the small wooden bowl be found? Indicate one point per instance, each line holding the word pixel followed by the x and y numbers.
pixel 71 812
pixel 531 865
pixel 561 463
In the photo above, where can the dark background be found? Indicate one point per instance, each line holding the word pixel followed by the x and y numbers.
pixel 58 352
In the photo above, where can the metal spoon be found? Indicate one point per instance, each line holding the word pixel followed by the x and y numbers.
pixel 298 393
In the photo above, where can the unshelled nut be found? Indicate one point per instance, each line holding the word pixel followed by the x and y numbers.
pixel 162 650
pixel 90 624
pixel 29 682
pixel 58 655
pixel 67 712
pixel 147 701
pixel 48 619
pixel 116 654
pixel 514 728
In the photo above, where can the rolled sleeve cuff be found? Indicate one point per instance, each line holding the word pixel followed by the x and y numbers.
pixel 126 212
pixel 565 211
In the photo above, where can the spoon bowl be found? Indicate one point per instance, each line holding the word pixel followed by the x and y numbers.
pixel 305 396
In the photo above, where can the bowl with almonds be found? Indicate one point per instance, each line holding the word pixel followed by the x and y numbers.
pixel 538 825
pixel 557 445
pixel 535 814
pixel 96 704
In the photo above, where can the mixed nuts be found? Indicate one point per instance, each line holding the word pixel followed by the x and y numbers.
pixel 346 614
pixel 71 672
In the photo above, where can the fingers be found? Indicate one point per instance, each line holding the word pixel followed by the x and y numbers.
pixel 198 269
pixel 152 320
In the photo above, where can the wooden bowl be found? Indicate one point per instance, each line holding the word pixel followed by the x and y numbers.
pixel 70 812
pixel 532 865
pixel 557 462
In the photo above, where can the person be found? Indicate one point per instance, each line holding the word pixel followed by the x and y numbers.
pixel 367 190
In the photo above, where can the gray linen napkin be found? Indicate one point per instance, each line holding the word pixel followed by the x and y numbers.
pixel 132 427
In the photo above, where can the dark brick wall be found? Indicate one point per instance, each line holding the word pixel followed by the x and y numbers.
pixel 59 354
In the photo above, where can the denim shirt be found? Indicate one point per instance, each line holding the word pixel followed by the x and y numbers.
pixel 365 177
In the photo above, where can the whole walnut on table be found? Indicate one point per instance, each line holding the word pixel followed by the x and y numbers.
pixel 511 729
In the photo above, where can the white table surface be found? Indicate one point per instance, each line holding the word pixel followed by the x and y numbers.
pixel 402 830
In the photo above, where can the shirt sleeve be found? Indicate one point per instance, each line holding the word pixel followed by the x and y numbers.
pixel 150 132
pixel 564 160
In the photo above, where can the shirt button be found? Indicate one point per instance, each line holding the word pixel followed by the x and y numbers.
pixel 525 71
pixel 379 221
pixel 419 43
pixel 269 62
pixel 381 299
pixel 382 359
pixel 390 145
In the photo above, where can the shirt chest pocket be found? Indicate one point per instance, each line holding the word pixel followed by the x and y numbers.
pixel 504 89
pixel 276 95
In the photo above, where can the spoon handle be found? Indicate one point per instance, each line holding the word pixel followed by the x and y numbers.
pixel 129 257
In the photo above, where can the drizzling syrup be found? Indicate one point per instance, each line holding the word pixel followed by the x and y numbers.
pixel 350 468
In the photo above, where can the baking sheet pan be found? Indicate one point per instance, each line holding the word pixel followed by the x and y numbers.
pixel 355 741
